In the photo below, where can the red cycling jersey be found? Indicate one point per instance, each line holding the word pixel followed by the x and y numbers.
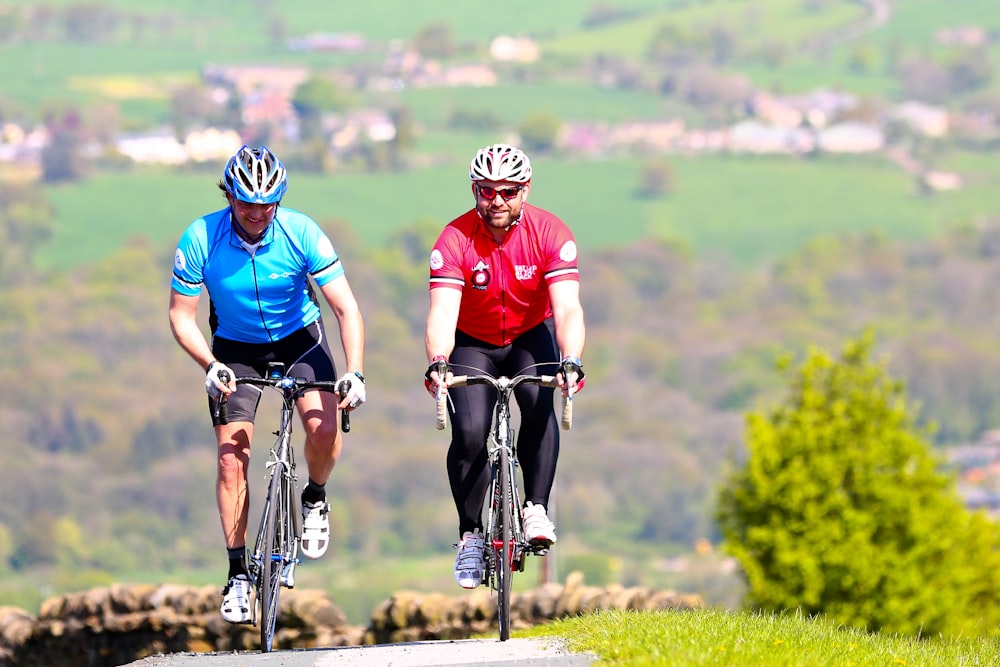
pixel 504 286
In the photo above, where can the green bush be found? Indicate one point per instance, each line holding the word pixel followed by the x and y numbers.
pixel 842 510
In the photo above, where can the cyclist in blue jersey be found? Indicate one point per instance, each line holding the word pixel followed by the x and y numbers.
pixel 259 261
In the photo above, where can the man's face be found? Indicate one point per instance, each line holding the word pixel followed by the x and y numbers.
pixel 253 218
pixel 499 202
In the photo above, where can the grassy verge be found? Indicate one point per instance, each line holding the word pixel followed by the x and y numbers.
pixel 720 638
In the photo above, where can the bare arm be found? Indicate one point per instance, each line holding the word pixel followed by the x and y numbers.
pixel 568 315
pixel 184 325
pixel 442 319
pixel 341 300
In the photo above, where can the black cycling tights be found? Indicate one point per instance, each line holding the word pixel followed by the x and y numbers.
pixel 537 435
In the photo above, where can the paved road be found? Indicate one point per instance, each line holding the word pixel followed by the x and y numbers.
pixel 459 653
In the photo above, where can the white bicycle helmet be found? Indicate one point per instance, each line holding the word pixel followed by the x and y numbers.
pixel 500 162
pixel 256 176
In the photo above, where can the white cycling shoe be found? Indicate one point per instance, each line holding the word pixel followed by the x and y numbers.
pixel 538 530
pixel 236 600
pixel 315 529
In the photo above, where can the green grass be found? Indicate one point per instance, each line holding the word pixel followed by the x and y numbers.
pixel 755 23
pixel 915 22
pixel 751 209
pixel 230 32
pixel 910 32
pixel 719 638
pixel 512 103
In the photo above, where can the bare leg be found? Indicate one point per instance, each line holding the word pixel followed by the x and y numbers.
pixel 231 480
pixel 319 413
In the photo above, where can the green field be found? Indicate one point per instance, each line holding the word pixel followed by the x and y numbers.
pixel 753 209
pixel 754 24
pixel 174 40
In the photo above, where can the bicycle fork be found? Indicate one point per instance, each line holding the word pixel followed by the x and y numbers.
pixel 515 550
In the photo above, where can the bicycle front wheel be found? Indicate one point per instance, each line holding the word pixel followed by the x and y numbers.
pixel 506 549
pixel 272 550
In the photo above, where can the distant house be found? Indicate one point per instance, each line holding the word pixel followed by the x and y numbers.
pixel 851 138
pixel 771 109
pixel 271 107
pixel 328 42
pixel 928 120
pixel 18 144
pixel 659 136
pixel 347 131
pixel 583 138
pixel 820 107
pixel 212 144
pixel 479 76
pixel 159 147
pixel 162 146
pixel 246 79
pixel 514 49
pixel 751 136
pixel 969 35
pixel 942 181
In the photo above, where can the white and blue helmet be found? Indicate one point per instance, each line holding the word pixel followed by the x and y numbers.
pixel 500 162
pixel 256 176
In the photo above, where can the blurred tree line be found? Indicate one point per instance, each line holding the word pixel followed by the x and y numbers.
pixel 109 461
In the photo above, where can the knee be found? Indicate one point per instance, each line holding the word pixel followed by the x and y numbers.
pixel 469 438
pixel 232 465
pixel 324 435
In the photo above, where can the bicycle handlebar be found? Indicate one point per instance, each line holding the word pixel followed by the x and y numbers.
pixel 284 384
pixel 500 384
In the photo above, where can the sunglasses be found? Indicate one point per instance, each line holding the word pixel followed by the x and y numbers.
pixel 491 193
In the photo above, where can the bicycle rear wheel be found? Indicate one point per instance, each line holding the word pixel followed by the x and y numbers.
pixel 506 548
pixel 272 549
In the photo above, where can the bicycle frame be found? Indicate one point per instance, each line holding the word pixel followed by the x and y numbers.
pixel 275 554
pixel 506 546
pixel 272 562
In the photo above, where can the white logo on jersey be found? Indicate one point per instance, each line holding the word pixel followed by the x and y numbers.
pixel 179 262
pixel 437 261
pixel 325 248
pixel 568 252
pixel 525 272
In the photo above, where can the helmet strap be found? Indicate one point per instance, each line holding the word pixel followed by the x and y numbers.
pixel 245 235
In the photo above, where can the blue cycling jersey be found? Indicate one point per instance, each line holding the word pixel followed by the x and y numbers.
pixel 262 294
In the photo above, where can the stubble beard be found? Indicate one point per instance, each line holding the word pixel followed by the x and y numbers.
pixel 508 217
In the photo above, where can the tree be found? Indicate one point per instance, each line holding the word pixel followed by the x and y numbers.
pixel 656 179
pixel 539 132
pixel 62 160
pixel 316 96
pixel 841 510
pixel 435 40
pixel 191 105
pixel 26 223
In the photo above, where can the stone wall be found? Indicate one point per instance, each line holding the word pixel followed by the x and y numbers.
pixel 115 625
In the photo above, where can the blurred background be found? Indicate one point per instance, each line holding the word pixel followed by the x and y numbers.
pixel 746 179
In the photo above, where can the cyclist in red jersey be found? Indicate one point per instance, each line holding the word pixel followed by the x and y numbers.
pixel 504 294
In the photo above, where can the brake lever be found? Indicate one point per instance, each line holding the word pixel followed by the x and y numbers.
pixel 343 389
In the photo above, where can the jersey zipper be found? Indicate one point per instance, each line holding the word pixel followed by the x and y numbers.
pixel 503 292
pixel 256 292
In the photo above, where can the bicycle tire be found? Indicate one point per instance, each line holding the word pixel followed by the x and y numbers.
pixel 505 556
pixel 269 584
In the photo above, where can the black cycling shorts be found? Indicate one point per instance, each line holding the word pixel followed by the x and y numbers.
pixel 305 353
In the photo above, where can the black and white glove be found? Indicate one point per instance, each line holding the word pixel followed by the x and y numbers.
pixel 213 383
pixel 356 394
pixel 567 367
